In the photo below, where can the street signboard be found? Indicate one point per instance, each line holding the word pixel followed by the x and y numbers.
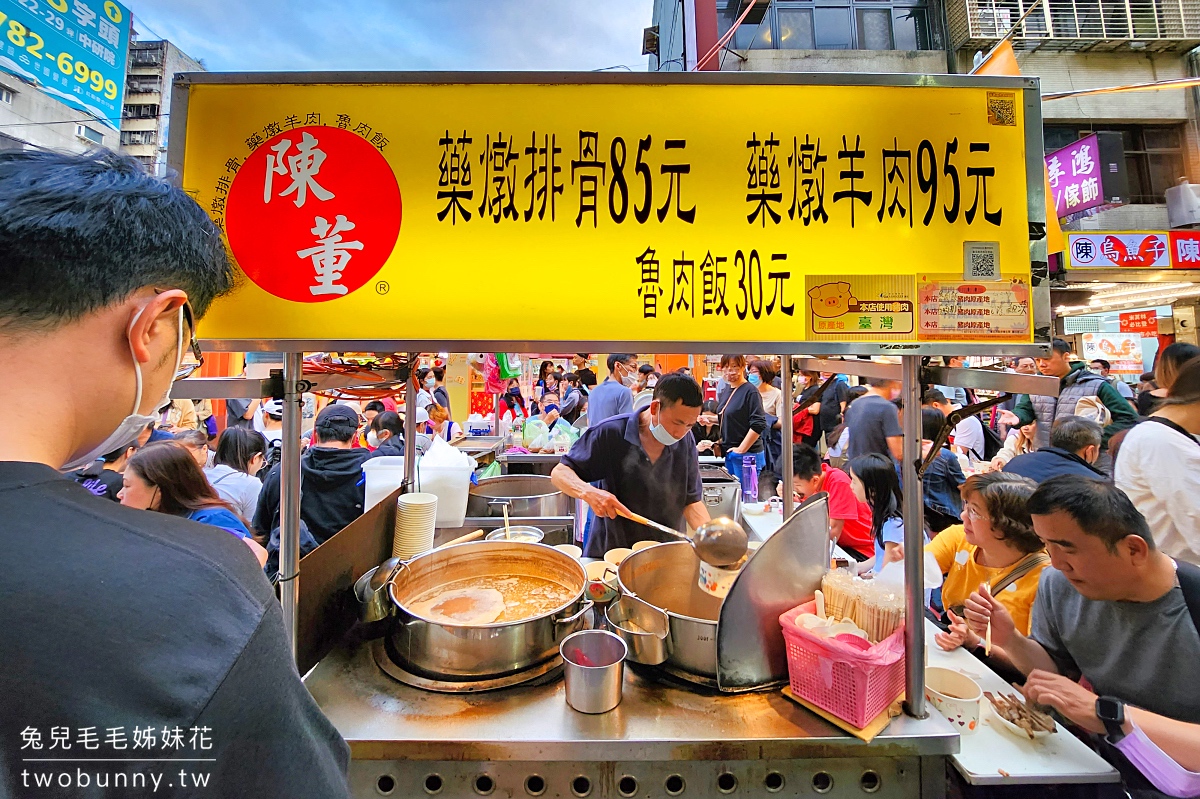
pixel 74 50
pixel 1146 249
pixel 1088 175
pixel 880 210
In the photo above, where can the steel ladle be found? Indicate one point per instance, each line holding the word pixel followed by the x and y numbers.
pixel 720 542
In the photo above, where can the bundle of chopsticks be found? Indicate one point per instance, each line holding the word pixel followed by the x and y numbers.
pixel 873 607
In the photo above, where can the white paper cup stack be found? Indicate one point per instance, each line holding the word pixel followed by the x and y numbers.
pixel 415 516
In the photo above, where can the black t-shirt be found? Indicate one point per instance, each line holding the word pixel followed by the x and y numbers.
pixel 831 405
pixel 741 411
pixel 99 481
pixel 116 619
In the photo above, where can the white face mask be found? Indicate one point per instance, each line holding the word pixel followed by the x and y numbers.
pixel 134 423
pixel 660 433
pixel 372 439
pixel 629 378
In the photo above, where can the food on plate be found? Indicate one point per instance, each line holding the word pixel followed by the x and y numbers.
pixel 1016 712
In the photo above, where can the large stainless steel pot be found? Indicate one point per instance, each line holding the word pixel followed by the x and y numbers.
pixel 667 576
pixel 450 651
pixel 525 495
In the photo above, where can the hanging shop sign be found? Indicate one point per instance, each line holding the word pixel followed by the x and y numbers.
pixel 387 211
pixel 1088 175
pixel 1143 323
pixel 76 52
pixel 1122 350
pixel 1156 249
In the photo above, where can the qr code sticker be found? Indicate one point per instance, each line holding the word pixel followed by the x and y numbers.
pixel 981 260
pixel 1002 108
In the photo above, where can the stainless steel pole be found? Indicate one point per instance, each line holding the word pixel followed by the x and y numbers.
pixel 289 494
pixel 914 541
pixel 785 472
pixel 410 421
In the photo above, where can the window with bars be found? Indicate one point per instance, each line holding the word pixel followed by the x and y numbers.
pixel 139 136
pixel 141 111
pixel 1153 155
pixel 831 25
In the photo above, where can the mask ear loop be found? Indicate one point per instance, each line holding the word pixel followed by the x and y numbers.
pixel 137 366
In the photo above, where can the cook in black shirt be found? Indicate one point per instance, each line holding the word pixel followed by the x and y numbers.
pixel 114 619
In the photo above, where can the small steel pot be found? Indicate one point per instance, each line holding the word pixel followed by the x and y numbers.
pixel 454 651
pixel 524 494
pixel 520 533
pixel 650 643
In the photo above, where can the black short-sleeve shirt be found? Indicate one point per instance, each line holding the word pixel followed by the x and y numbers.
pixel 611 454
pixel 116 618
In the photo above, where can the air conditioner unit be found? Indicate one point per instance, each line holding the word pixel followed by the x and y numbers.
pixel 1183 205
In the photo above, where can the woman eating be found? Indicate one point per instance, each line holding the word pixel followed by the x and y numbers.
pixel 873 480
pixel 164 477
pixel 995 545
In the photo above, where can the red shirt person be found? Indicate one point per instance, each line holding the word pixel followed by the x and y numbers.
pixel 849 519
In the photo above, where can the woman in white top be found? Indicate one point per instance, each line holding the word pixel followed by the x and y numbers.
pixel 1158 466
pixel 761 373
pixel 441 425
pixel 241 453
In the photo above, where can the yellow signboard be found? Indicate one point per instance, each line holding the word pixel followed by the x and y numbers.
pixel 575 210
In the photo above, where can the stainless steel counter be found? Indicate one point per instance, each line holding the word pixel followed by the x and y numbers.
pixel 504 735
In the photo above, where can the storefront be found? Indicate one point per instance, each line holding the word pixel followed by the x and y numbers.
pixel 686 229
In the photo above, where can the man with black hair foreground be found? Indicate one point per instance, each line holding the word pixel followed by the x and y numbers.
pixel 331 489
pixel 1074 447
pixel 115 618
pixel 1111 610
pixel 645 462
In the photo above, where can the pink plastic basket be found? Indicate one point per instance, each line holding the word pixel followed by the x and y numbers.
pixel 854 685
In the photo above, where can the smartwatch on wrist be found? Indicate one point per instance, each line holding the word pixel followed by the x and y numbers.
pixel 1111 712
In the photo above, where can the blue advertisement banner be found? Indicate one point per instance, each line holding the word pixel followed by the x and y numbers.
pixel 74 50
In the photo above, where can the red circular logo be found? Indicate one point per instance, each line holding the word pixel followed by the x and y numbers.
pixel 313 214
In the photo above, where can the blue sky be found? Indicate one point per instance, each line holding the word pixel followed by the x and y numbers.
pixel 236 35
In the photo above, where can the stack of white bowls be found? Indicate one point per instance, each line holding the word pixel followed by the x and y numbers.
pixel 415 516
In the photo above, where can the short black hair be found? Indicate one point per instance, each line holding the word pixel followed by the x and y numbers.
pixel 439 372
pixel 237 446
pixel 115 455
pixel 583 355
pixel 619 357
pixel 1097 506
pixel 931 423
pixel 679 388
pixel 374 405
pixel 1074 433
pixel 83 232
pixel 421 372
pixel 1103 363
pixel 933 396
pixel 645 369
pixel 880 382
pixel 1060 346
pixel 806 463
pixel 572 378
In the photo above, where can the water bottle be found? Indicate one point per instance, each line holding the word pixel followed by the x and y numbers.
pixel 749 478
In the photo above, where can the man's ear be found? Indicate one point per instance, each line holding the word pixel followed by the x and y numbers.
pixel 161 312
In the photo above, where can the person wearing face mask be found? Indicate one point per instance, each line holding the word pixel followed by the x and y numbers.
pixel 441 396
pixel 106 270
pixel 512 403
pixel 425 383
pixel 614 397
pixel 644 462
pixel 241 454
pixel 743 420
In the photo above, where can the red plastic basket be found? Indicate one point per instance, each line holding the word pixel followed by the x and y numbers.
pixel 854 685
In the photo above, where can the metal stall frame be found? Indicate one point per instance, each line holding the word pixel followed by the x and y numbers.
pixel 909 352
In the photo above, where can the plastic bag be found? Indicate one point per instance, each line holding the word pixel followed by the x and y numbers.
pixel 491 470
pixel 540 443
pixel 532 429
pixel 509 363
